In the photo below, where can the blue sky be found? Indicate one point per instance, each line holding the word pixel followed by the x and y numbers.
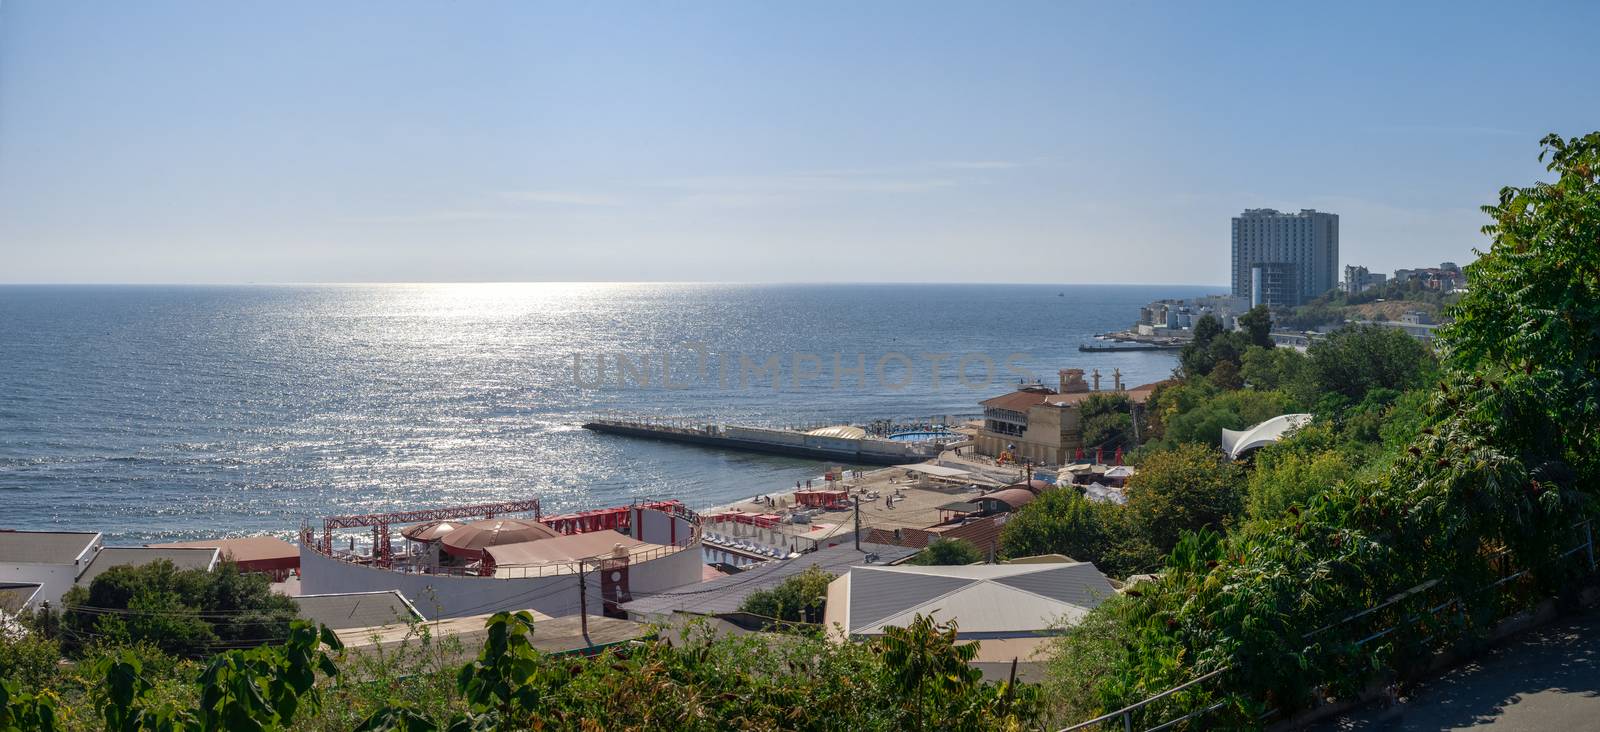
pixel 739 141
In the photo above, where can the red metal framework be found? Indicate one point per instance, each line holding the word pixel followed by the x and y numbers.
pixel 619 518
pixel 380 521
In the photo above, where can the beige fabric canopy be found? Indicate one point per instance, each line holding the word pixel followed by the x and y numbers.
pixel 431 531
pixel 469 541
pixel 562 548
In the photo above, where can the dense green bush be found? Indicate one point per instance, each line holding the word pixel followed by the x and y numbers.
pixel 191 613
pixel 1106 421
pixel 1184 489
pixel 797 599
pixel 1269 369
pixel 1212 345
pixel 1284 477
pixel 1353 361
pixel 1188 488
pixel 914 678
pixel 1062 521
pixel 1198 411
pixel 27 655
pixel 947 552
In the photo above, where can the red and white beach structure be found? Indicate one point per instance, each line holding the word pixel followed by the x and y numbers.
pixel 471 560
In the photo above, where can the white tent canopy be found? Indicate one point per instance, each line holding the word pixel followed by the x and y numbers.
pixel 1239 442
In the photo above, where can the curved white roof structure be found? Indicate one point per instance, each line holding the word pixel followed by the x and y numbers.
pixel 1239 442
pixel 843 431
pixel 988 600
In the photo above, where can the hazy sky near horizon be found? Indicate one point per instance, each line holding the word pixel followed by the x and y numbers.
pixel 738 141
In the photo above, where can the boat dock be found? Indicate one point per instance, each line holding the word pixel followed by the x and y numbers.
pixel 1117 347
pixel 1127 340
pixel 864 450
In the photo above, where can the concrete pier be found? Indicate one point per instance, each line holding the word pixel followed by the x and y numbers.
pixel 853 451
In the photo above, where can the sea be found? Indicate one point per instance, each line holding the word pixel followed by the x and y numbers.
pixel 155 413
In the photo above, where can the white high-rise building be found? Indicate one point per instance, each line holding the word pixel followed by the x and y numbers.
pixel 1299 252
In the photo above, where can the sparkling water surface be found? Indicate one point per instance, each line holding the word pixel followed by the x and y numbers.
pixel 154 413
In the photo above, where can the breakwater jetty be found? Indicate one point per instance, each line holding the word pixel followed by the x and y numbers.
pixel 838 444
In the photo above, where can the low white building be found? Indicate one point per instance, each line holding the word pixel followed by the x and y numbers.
pixel 51 559
pixel 55 561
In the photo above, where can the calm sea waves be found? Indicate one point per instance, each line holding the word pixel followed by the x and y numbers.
pixel 178 412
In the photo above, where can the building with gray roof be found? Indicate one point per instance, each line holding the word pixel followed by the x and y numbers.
pixel 51 559
pixel 985 600
pixel 16 597
pixel 724 595
pixel 138 556
pixel 345 610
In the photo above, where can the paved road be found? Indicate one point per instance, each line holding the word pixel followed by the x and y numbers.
pixel 1544 679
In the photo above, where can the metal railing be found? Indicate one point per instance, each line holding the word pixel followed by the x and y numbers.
pixel 524 571
pixel 1125 714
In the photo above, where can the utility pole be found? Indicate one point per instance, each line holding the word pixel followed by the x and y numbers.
pixel 583 601
pixel 1133 414
pixel 858 523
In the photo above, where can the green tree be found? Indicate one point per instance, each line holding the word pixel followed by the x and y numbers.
pixel 1352 361
pixel 27 655
pixel 1532 309
pixel 1283 478
pixel 1257 324
pixel 1206 329
pixel 1266 369
pixel 928 669
pixel 1196 357
pixel 1063 522
pixel 1225 375
pixel 798 599
pixel 183 612
pixel 1106 421
pixel 1185 489
pixel 1211 345
pixel 1208 415
pixel 947 552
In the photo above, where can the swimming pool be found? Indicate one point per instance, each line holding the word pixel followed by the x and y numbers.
pixel 925 436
